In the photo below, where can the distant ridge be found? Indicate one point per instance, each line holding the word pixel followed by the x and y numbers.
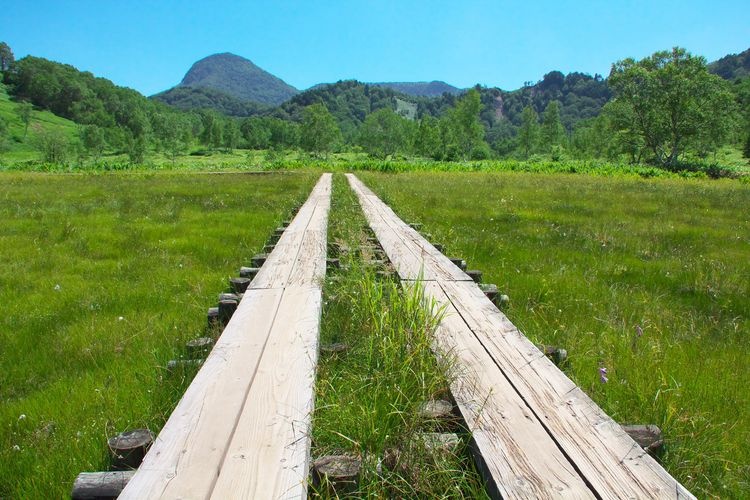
pixel 434 88
pixel 239 78
pixel 732 66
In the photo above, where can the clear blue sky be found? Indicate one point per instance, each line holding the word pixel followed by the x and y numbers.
pixel 149 45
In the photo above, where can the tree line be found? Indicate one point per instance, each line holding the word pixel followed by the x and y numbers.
pixel 662 109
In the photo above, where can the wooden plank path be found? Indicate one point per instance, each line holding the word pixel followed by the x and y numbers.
pixel 535 433
pixel 241 430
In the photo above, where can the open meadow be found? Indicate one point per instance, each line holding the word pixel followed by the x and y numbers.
pixel 105 276
pixel 103 279
pixel 646 278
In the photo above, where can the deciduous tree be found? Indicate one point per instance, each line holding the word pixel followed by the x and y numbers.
pixel 383 133
pixel 256 133
pixel 93 140
pixel 319 132
pixel 673 103
pixel 53 145
pixel 23 111
pixel 427 142
pixel 463 133
pixel 529 131
pixel 6 57
pixel 3 135
pixel 552 131
pixel 230 134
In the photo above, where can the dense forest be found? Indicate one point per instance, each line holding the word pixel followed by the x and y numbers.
pixel 667 109
pixel 191 98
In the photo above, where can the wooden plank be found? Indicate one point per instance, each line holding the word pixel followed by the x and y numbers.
pixel 413 256
pixel 614 464
pixel 520 458
pixel 595 446
pixel 269 453
pixel 187 454
pixel 289 262
pixel 256 386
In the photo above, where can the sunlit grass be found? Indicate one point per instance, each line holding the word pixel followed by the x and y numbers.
pixel 586 261
pixel 103 279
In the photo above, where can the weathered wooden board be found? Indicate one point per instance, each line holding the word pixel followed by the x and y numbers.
pixel 301 244
pixel 524 395
pixel 186 457
pixel 242 428
pixel 614 464
pixel 413 256
pixel 268 456
pixel 520 457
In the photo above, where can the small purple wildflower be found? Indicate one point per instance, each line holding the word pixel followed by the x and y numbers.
pixel 638 331
pixel 603 375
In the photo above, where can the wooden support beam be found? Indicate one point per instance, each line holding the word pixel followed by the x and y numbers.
pixel 199 347
pixel 176 364
pixel 213 316
pixel 128 448
pixel 336 475
pixel 100 485
pixel 239 285
pixel 248 272
pixel 227 307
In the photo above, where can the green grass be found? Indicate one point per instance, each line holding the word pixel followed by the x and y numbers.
pixel 585 260
pixel 104 278
pixel 18 148
pixel 368 398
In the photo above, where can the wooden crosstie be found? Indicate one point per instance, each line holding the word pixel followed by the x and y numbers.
pixel 535 433
pixel 241 430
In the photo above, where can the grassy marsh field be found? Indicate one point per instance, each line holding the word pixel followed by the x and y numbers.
pixel 589 263
pixel 103 279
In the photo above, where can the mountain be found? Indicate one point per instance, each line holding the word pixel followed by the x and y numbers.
pixel 239 78
pixel 732 66
pixel 434 88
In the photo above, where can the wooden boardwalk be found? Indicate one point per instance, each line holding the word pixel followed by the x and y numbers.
pixel 535 433
pixel 242 428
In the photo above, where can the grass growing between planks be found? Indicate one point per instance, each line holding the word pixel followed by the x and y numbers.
pixel 647 278
pixel 103 280
pixel 368 397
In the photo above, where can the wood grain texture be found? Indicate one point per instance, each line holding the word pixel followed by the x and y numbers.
pixel 241 430
pixel 99 485
pixel 614 464
pixel 413 256
pixel 524 396
pixel 184 460
pixel 296 257
pixel 520 457
pixel 268 456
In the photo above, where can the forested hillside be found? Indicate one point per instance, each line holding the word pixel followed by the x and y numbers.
pixel 110 118
pixel 732 66
pixel 421 89
pixel 189 98
pixel 667 109
pixel 349 101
